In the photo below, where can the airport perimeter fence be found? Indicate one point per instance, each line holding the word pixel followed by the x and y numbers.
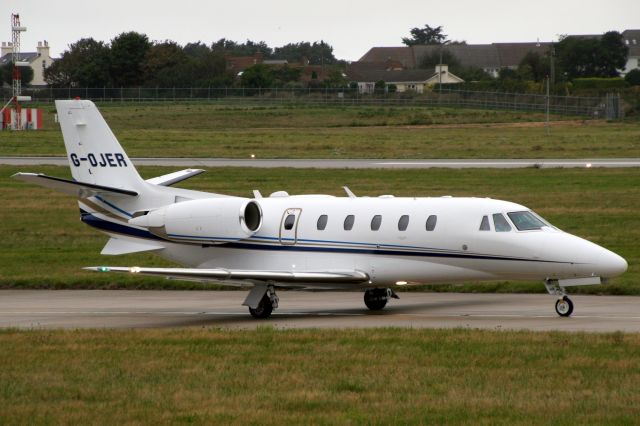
pixel 593 107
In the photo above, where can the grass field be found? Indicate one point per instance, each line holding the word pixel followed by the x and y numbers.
pixel 384 376
pixel 44 245
pixel 211 130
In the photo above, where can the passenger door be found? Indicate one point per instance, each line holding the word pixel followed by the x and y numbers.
pixel 289 226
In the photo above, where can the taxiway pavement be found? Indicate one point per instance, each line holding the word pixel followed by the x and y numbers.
pixel 349 163
pixel 138 309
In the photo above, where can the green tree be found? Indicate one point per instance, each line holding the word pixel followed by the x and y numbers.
pixel 466 73
pixel 508 74
pixel 318 53
pixel 335 78
pixel 257 76
pixel 127 55
pixel 285 74
pixel 248 48
pixel 210 70
pixel 633 77
pixel 161 63
pixel 613 54
pixel 6 73
pixel 427 35
pixel 472 74
pixel 591 57
pixel 84 64
pixel 196 50
pixel 533 67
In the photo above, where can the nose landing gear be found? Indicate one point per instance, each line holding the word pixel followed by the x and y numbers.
pixel 564 305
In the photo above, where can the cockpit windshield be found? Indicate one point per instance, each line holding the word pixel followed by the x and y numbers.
pixel 527 221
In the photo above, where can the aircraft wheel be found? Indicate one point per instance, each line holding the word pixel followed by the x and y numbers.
pixel 263 310
pixel 564 306
pixel 376 298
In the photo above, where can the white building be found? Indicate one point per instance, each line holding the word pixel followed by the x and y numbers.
pixel 632 40
pixel 366 74
pixel 38 60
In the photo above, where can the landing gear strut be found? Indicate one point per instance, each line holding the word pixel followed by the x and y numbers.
pixel 564 305
pixel 376 298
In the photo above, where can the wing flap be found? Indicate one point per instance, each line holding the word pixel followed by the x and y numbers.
pixel 71 187
pixel 342 277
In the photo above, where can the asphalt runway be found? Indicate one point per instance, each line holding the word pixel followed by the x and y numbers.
pixel 34 309
pixel 348 164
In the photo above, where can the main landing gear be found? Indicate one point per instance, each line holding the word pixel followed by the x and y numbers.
pixel 564 305
pixel 262 300
pixel 376 298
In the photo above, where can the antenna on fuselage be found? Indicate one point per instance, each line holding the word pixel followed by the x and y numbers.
pixel 349 193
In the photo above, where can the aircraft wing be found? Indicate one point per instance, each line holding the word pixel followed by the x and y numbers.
pixel 71 187
pixel 219 274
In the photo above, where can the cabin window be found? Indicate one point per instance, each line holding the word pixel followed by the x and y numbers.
pixel 431 222
pixel 376 221
pixel 500 223
pixel 526 221
pixel 484 225
pixel 322 222
pixel 289 222
pixel 403 222
pixel 348 222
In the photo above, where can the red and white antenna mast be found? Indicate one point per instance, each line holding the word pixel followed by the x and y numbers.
pixel 16 29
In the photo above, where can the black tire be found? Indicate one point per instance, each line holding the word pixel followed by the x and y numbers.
pixel 263 310
pixel 375 299
pixel 564 307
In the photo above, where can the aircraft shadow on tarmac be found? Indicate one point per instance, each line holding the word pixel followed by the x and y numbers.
pixel 213 319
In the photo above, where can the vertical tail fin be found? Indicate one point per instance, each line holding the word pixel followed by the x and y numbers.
pixel 95 155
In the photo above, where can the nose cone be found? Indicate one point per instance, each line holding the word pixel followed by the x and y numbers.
pixel 593 260
pixel 610 264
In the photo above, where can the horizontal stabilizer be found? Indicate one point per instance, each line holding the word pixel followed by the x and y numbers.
pixel 175 177
pixel 191 274
pixel 117 246
pixel 71 187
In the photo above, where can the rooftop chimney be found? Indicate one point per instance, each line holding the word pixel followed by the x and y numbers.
pixel 43 49
pixel 6 48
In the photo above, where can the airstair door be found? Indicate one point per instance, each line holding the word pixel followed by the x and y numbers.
pixel 289 226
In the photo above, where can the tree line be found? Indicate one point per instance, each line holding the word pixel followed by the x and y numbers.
pixel 573 57
pixel 132 60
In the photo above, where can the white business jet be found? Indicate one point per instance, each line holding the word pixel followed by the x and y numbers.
pixel 311 241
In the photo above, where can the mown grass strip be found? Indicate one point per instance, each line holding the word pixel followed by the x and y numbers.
pixel 206 130
pixel 44 245
pixel 266 376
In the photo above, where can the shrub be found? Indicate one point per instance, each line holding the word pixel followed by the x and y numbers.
pixel 633 77
pixel 599 83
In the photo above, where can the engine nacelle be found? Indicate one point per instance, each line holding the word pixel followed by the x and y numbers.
pixel 205 221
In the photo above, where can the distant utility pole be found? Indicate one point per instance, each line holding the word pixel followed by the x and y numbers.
pixel 440 69
pixel 548 104
pixel 552 65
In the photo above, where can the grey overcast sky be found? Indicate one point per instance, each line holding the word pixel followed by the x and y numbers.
pixel 351 27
